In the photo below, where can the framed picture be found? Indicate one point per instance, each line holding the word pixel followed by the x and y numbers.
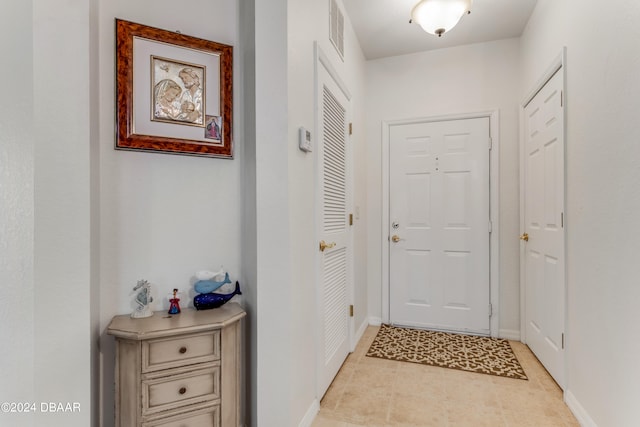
pixel 174 92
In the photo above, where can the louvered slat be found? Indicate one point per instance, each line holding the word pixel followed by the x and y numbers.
pixel 335 321
pixel 334 191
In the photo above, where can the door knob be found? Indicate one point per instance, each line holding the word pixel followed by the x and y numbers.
pixel 395 238
pixel 324 245
pixel 525 237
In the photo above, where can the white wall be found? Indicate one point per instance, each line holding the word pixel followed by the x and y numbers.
pixel 273 340
pixel 466 79
pixel 603 200
pixel 62 255
pixel 17 141
pixel 45 221
pixel 163 217
pixel 249 236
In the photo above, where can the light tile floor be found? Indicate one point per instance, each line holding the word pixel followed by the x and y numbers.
pixel 375 392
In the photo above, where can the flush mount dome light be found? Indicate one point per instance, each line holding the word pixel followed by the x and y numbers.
pixel 439 16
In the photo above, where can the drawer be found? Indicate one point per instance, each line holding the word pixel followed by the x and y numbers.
pixel 163 393
pixel 165 353
pixel 209 417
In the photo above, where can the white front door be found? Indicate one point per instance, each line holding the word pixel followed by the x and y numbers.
pixel 543 242
pixel 334 249
pixel 439 225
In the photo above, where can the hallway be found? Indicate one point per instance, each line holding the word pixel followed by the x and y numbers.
pixel 375 392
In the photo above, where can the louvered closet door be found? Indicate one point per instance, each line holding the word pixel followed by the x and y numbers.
pixel 333 231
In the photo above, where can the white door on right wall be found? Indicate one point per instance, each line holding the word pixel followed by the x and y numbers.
pixel 543 235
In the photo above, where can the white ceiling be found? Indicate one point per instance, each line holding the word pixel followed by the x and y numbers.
pixel 383 28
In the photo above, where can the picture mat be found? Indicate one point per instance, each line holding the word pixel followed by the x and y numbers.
pixel 143 49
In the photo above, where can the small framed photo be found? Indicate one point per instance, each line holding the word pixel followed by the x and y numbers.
pixel 213 128
pixel 174 92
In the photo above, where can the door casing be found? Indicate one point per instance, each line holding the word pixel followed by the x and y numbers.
pixel 494 156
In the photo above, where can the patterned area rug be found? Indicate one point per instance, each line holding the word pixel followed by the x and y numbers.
pixel 465 352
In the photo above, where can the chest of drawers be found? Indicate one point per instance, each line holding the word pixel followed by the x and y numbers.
pixel 180 370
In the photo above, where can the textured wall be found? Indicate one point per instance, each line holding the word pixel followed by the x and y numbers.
pixel 16 209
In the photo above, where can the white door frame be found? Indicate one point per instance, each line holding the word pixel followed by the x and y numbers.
pixel 494 206
pixel 322 60
pixel 558 65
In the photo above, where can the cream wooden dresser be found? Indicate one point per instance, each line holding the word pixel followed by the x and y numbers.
pixel 180 370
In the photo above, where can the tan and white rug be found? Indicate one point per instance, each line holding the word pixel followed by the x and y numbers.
pixel 465 352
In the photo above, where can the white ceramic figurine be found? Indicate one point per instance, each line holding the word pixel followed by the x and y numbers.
pixel 208 275
pixel 143 299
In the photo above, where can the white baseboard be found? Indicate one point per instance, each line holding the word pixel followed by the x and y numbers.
pixel 308 418
pixel 509 334
pixel 359 333
pixel 578 411
pixel 375 321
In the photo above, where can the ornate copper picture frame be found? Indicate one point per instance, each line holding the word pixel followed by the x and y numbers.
pixel 173 92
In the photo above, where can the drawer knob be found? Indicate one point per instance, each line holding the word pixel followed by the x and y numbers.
pixel 182 390
pixel 183 350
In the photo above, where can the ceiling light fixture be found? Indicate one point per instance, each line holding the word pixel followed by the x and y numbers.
pixel 439 16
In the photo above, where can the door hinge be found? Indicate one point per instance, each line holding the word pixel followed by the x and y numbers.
pixel 490 143
pixel 562 98
pixel 563 341
pixel 351 310
pixel 350 219
pixel 350 128
pixel 490 227
pixel 561 219
pixel 490 309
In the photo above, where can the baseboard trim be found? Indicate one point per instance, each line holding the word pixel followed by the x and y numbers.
pixel 375 321
pixel 308 418
pixel 359 333
pixel 509 334
pixel 578 411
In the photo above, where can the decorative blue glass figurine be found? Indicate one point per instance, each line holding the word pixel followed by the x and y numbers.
pixel 214 300
pixel 174 308
pixel 205 287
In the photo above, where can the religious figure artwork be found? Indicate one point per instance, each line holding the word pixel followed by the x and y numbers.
pixel 212 128
pixel 174 92
pixel 178 92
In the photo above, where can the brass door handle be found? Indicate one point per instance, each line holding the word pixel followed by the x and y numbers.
pixel 525 237
pixel 395 238
pixel 324 245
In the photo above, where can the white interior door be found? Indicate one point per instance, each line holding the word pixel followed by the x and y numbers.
pixel 439 225
pixel 334 249
pixel 543 234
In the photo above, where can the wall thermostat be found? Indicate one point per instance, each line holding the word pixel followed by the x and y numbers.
pixel 304 139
